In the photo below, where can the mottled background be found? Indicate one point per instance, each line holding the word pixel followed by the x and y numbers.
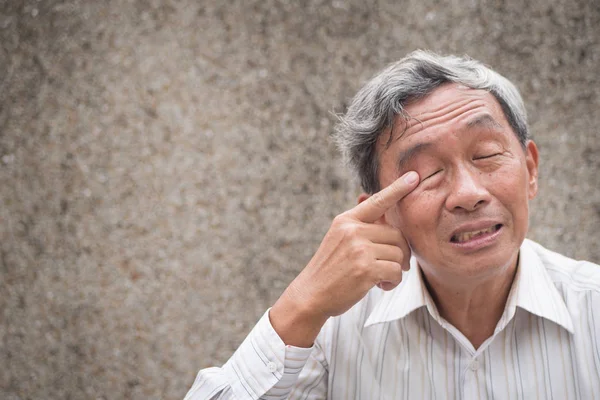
pixel 166 167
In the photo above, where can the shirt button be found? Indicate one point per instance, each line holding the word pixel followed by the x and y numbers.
pixel 474 365
pixel 271 366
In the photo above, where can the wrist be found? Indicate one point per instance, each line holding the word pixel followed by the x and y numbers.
pixel 296 322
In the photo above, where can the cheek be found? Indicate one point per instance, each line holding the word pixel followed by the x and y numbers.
pixel 417 212
pixel 510 186
pixel 512 191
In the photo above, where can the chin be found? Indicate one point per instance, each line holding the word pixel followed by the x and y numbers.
pixel 480 265
pixel 489 263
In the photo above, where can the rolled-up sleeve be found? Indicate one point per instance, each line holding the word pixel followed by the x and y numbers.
pixel 263 367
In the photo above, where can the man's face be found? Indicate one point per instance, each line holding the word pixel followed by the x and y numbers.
pixel 469 214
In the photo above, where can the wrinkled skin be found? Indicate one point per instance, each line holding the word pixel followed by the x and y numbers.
pixel 471 173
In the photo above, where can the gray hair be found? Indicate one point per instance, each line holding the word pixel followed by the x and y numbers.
pixel 375 106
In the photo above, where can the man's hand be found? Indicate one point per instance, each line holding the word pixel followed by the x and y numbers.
pixel 358 252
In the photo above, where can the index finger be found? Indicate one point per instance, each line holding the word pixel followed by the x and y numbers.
pixel 375 206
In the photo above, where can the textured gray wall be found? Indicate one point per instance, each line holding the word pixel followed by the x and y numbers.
pixel 166 167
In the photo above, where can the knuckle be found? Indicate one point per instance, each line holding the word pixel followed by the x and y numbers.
pixel 351 230
pixel 403 257
pixel 393 274
pixel 339 220
pixel 397 270
pixel 341 216
pixel 378 201
pixel 407 255
pixel 362 259
pixel 397 255
pixel 360 251
pixel 348 230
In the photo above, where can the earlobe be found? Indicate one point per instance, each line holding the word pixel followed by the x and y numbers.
pixel 362 197
pixel 532 160
pixel 533 188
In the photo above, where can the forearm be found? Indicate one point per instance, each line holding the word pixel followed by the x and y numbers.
pixel 262 367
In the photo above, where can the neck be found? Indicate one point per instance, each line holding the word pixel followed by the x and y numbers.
pixel 475 307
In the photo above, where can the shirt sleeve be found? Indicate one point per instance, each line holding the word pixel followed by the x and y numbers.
pixel 263 367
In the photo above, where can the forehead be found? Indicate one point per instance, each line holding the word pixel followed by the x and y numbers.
pixel 450 107
pixel 450 115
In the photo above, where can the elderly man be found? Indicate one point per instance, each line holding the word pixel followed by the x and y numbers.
pixel 442 150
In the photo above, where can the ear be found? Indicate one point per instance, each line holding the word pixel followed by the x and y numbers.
pixel 531 159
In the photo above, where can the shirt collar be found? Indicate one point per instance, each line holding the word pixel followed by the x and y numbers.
pixel 532 290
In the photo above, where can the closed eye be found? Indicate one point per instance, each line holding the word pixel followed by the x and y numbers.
pixel 429 176
pixel 487 156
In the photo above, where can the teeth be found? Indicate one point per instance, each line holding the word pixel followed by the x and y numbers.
pixel 463 237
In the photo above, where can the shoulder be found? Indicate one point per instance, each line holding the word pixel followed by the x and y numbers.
pixel 577 283
pixel 577 275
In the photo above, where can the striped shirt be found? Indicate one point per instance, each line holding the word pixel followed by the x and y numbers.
pixel 395 345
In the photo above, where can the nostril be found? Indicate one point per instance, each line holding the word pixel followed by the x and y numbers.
pixel 467 197
pixel 480 202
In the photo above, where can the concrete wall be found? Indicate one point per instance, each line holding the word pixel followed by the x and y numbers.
pixel 166 166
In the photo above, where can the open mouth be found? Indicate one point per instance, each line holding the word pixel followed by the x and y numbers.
pixel 466 236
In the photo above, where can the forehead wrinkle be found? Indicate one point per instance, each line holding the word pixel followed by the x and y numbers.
pixel 484 120
pixel 442 114
pixel 473 109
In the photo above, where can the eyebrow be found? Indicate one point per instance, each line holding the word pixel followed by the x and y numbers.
pixel 484 121
pixel 481 121
pixel 409 154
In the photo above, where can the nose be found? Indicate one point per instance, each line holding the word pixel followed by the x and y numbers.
pixel 467 191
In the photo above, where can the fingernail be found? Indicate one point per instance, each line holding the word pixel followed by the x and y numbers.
pixel 411 177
